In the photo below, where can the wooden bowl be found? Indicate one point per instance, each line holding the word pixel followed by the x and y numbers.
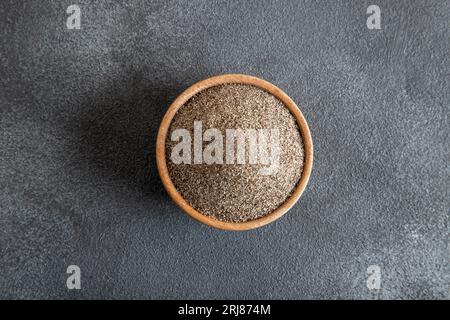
pixel 161 156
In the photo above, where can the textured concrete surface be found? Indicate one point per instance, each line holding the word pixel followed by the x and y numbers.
pixel 79 112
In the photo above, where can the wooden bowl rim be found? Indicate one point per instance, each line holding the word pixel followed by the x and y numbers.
pixel 240 79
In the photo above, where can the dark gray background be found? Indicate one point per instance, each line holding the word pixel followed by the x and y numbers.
pixel 79 113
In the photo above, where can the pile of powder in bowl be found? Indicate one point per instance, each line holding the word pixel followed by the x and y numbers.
pixel 232 184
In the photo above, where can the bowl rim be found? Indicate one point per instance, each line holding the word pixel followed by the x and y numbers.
pixel 237 79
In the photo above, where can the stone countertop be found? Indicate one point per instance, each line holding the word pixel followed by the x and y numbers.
pixel 79 113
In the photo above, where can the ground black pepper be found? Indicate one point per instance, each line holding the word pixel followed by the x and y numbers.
pixel 237 192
